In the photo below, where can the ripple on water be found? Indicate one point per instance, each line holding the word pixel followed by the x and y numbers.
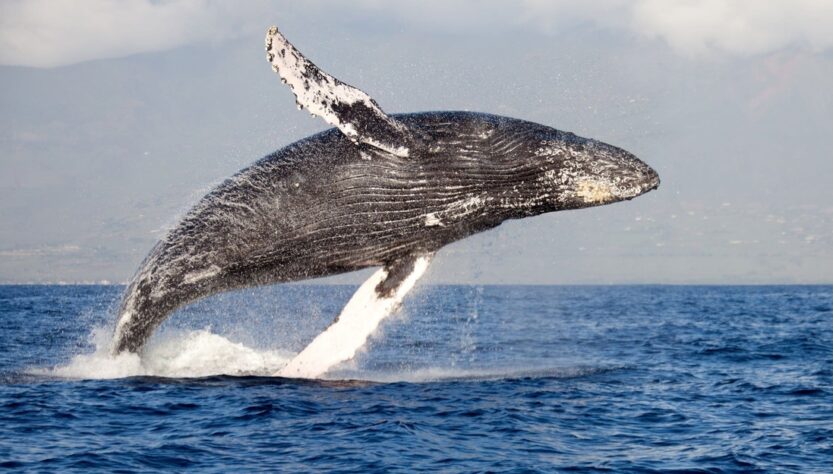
pixel 660 379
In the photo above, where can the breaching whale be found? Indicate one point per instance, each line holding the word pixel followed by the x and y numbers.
pixel 378 190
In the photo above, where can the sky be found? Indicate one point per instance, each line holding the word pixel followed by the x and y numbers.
pixel 117 116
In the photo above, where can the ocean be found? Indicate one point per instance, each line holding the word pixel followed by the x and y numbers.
pixel 462 379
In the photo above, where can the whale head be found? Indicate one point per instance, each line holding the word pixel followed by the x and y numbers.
pixel 551 170
pixel 484 169
pixel 581 172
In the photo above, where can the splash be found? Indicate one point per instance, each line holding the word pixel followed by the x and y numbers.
pixel 452 374
pixel 202 353
pixel 198 353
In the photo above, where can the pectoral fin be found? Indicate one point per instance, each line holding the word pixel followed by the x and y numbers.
pixel 355 113
pixel 397 272
pixel 359 318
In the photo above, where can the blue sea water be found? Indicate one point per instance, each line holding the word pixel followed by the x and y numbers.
pixel 464 378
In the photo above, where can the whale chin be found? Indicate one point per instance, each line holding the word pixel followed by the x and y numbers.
pixel 599 191
pixel 644 185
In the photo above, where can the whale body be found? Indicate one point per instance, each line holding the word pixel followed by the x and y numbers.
pixel 376 191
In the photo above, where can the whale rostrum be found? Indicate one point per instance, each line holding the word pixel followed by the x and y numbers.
pixel 378 190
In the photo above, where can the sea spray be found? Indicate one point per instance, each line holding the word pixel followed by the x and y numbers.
pixel 179 354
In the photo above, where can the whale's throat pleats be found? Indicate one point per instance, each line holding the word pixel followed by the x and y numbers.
pixel 354 112
pixel 377 298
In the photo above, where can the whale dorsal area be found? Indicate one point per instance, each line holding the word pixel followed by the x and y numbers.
pixel 355 113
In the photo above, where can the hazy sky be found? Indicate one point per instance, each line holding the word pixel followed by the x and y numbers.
pixel 115 117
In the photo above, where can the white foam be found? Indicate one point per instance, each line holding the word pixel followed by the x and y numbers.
pixel 203 353
pixel 198 353
pixel 446 374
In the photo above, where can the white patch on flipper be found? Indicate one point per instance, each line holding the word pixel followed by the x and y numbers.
pixel 357 321
pixel 317 91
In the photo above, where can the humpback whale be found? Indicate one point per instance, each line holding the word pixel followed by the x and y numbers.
pixel 378 190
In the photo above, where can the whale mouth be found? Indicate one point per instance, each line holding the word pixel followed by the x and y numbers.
pixel 653 182
pixel 610 174
pixel 648 180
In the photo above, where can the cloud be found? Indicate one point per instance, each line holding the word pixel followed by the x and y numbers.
pixel 48 33
pixel 690 27
pixel 543 16
pixel 736 26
